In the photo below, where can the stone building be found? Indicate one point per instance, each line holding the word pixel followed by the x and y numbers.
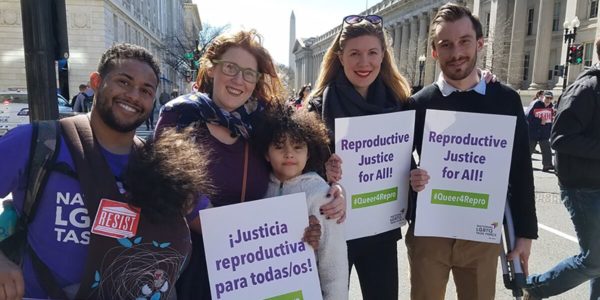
pixel 168 28
pixel 524 39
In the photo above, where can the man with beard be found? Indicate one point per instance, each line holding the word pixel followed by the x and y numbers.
pixel 124 86
pixel 456 39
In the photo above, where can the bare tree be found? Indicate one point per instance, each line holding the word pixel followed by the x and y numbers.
pixel 286 75
pixel 207 35
pixel 180 54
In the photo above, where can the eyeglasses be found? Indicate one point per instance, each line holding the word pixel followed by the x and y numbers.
pixel 355 19
pixel 232 69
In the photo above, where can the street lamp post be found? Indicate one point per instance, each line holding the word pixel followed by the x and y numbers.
pixel 422 59
pixel 570 33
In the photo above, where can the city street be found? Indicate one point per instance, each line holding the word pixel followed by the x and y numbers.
pixel 556 241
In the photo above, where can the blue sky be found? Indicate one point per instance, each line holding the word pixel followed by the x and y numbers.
pixel 272 18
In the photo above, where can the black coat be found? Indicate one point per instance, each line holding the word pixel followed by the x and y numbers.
pixel 576 132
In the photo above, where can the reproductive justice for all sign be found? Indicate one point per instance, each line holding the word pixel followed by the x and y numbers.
pixel 469 166
pixel 376 154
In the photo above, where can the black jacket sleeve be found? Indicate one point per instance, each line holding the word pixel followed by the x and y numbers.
pixel 572 129
pixel 521 188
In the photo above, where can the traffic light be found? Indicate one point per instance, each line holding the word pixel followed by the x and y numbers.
pixel 579 54
pixel 571 54
pixel 575 54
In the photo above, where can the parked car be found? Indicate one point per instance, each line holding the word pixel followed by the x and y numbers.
pixel 14 109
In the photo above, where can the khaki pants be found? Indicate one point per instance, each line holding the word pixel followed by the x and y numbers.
pixel 473 266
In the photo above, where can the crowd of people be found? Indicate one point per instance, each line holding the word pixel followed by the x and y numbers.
pixel 242 141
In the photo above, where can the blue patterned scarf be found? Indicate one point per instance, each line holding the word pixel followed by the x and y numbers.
pixel 200 107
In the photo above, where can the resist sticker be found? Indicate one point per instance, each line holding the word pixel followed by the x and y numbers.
pixel 116 219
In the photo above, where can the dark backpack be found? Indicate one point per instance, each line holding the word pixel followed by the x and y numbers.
pixel 72 102
pixel 87 102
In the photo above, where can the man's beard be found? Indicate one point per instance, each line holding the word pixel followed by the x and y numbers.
pixel 464 73
pixel 109 118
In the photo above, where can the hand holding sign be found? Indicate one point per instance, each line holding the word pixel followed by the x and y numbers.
pixel 418 179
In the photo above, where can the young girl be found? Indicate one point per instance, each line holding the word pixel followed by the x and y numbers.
pixel 295 144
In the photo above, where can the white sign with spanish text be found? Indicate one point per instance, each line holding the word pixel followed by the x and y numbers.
pixel 254 250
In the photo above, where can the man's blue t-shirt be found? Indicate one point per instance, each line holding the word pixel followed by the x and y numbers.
pixel 60 231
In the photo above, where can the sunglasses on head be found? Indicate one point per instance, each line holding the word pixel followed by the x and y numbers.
pixel 355 19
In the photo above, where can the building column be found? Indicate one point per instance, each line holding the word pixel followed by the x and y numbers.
pixel 421 46
pixel 404 48
pixel 595 56
pixel 497 60
pixel 412 52
pixel 476 7
pixel 397 41
pixel 297 73
pixel 542 45
pixel 517 45
pixel 303 72
pixel 430 63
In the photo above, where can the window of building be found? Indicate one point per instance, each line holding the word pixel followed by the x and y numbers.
pixel 487 25
pixel 115 28
pixel 593 9
pixel 127 31
pixel 556 16
pixel 530 22
pixel 553 59
pixel 588 54
pixel 526 67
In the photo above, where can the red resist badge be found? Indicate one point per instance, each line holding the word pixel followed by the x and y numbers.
pixel 116 219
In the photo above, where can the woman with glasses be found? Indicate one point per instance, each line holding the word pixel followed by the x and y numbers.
pixel 357 78
pixel 237 82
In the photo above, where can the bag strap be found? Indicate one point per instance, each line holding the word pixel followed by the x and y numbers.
pixel 94 174
pixel 44 151
pixel 245 178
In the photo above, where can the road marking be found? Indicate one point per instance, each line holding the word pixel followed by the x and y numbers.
pixel 559 233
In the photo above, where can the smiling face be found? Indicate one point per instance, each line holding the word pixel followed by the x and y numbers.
pixel 231 92
pixel 456 48
pixel 124 97
pixel 287 157
pixel 361 59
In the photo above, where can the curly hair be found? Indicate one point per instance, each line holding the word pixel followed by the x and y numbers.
pixel 127 51
pixel 268 87
pixel 166 177
pixel 301 126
